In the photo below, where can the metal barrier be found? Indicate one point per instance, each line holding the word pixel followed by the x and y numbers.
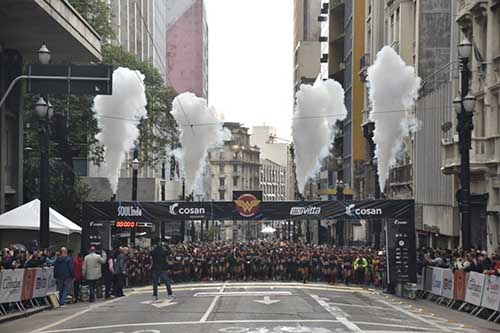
pixel 471 292
pixel 24 291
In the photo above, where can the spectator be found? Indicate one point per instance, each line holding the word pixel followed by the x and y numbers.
pixel 92 270
pixel 63 273
pixel 78 268
pixel 120 271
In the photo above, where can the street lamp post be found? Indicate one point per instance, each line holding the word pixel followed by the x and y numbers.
pixel 44 112
pixel 340 223
pixel 464 107
pixel 135 169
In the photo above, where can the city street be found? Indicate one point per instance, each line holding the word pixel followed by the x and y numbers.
pixel 253 307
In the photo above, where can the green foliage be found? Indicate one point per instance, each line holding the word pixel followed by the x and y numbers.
pixel 98 14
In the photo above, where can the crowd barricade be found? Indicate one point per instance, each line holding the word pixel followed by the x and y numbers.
pixel 25 290
pixel 473 292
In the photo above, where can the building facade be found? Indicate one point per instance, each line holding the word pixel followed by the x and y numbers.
pixel 272 180
pixel 187 46
pixel 266 139
pixel 306 41
pixel 140 28
pixel 479 21
pixel 69 38
pixel 235 166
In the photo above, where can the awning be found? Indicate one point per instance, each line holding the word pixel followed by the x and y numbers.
pixel 27 217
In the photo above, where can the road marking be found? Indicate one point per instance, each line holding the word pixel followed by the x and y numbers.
pixel 267 300
pixel 79 313
pixel 357 305
pixel 243 293
pixel 214 301
pixel 170 323
pixel 163 304
pixel 408 313
pixel 338 313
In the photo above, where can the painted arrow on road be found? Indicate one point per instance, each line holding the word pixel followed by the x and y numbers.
pixel 160 304
pixel 267 300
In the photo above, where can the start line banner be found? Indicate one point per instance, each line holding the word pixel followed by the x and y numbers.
pixel 23 284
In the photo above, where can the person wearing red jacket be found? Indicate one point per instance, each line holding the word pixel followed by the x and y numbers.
pixel 78 267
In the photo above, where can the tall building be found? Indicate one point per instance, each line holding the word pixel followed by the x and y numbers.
pixel 265 138
pixel 187 46
pixel 306 41
pixel 140 28
pixel 343 40
pixel 24 25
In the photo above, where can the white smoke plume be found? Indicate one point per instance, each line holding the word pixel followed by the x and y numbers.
pixel 118 116
pixel 317 109
pixel 200 128
pixel 393 89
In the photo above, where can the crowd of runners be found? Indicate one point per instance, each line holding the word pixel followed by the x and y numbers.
pixel 264 260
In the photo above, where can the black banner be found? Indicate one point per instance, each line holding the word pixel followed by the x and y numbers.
pixel 400 227
pixel 401 251
pixel 248 209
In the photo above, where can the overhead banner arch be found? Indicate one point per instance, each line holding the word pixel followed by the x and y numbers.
pixel 398 214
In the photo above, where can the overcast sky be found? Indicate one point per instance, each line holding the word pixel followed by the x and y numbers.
pixel 251 61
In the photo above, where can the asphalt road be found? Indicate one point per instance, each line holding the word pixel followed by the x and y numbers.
pixel 251 307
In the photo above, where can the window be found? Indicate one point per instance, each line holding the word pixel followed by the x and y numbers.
pixel 221 168
pixel 235 168
pixel 235 181
pixel 221 181
pixel 222 195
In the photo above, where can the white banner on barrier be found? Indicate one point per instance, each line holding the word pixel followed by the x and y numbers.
pixel 11 283
pixel 52 287
pixel 491 293
pixel 41 282
pixel 447 290
pixel 474 290
pixel 437 280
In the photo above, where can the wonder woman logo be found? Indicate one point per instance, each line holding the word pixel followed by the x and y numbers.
pixel 247 205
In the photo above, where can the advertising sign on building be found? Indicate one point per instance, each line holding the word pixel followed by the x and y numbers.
pixel 475 286
pixel 491 293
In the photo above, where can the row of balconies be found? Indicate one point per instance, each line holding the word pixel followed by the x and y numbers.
pixel 484 153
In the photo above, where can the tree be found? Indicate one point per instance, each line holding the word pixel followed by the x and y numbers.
pixel 74 126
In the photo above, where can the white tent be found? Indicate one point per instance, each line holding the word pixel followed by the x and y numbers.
pixel 268 230
pixel 27 217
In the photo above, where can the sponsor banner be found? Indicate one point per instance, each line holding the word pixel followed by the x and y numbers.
pixel 11 283
pixel 448 278
pixel 41 282
pixel 491 293
pixel 459 285
pixel 28 284
pixel 249 205
pixel 437 281
pixel 428 279
pixel 474 291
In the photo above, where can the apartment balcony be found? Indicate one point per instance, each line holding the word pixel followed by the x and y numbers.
pixel 364 63
pixel 485 153
pixel 401 176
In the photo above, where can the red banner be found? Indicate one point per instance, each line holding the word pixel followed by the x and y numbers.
pixel 459 285
pixel 28 284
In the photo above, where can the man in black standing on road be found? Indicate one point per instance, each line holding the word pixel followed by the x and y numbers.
pixel 159 269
